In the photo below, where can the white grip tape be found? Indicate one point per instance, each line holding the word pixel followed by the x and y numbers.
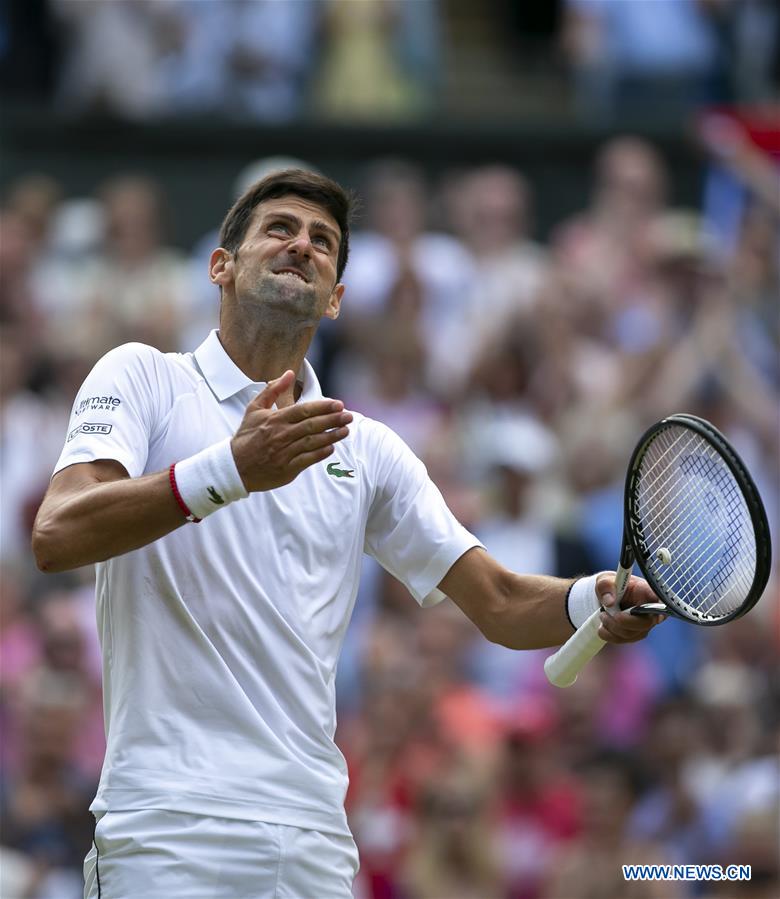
pixel 209 480
pixel 562 667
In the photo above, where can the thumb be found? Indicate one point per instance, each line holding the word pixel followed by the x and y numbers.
pixel 605 589
pixel 273 390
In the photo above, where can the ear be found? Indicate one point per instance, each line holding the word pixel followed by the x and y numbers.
pixel 221 267
pixel 334 302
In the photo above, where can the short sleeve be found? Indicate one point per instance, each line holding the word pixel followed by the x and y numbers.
pixel 115 410
pixel 410 530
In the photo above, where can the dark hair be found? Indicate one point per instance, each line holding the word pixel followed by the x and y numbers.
pixel 299 183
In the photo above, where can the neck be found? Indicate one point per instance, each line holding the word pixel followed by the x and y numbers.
pixel 265 349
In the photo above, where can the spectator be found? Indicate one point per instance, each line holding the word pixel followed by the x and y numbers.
pixel 363 76
pixel 65 650
pixel 396 247
pixel 491 213
pixel 662 57
pixel 142 60
pixel 110 61
pixel 590 866
pixel 29 429
pixel 538 804
pixel 267 57
pixel 669 813
pixel 600 252
pixel 45 806
pixel 453 854
pixel 393 390
pixel 138 288
pixel 517 457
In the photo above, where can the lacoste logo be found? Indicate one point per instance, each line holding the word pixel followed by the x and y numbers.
pixel 340 472
pixel 214 496
pixel 88 427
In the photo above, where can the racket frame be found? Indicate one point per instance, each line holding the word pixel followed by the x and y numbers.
pixel 565 664
pixel 635 549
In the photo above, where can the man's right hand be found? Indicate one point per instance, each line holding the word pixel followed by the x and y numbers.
pixel 272 446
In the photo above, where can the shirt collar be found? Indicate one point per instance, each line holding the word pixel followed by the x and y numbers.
pixel 226 379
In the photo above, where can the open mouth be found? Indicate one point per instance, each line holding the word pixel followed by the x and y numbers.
pixel 291 273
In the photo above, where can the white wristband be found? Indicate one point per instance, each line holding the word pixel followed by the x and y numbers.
pixel 583 600
pixel 209 480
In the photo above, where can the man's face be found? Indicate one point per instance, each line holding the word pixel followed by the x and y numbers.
pixel 287 260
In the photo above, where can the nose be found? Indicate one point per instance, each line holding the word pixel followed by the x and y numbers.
pixel 301 245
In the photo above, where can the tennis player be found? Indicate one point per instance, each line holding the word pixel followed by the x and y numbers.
pixel 227 503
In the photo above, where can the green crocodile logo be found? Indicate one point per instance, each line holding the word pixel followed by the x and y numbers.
pixel 214 496
pixel 340 472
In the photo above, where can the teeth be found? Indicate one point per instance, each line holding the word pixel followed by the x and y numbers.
pixel 291 275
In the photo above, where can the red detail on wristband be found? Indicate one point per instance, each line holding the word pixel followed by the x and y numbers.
pixel 177 496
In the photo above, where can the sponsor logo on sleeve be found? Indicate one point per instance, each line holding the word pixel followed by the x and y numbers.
pixel 88 427
pixel 97 404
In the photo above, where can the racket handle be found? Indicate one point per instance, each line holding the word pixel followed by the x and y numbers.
pixel 621 582
pixel 563 666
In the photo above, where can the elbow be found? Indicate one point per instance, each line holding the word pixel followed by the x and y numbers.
pixel 45 542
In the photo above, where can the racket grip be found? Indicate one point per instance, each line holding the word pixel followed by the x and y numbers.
pixel 563 666
pixel 622 575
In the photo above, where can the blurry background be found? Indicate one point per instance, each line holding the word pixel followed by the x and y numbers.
pixel 569 228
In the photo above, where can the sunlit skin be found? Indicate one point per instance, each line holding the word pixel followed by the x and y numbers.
pixel 268 316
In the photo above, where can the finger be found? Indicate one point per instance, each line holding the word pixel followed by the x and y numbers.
pixel 637 593
pixel 313 442
pixel 624 628
pixel 305 460
pixel 317 424
pixel 273 390
pixel 303 411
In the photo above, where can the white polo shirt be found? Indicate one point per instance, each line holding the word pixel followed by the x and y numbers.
pixel 220 641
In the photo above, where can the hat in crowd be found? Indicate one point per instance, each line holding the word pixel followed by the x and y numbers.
pixel 78 227
pixel 522 444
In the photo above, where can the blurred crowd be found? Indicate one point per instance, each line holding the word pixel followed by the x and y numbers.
pixel 522 373
pixel 385 60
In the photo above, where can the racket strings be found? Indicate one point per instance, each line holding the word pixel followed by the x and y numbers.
pixel 711 541
pixel 689 504
pixel 705 550
pixel 714 552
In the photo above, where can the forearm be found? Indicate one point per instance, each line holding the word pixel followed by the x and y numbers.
pixel 521 611
pixel 531 613
pixel 102 520
pixel 528 611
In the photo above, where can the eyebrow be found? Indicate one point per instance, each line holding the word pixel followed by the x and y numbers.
pixel 317 224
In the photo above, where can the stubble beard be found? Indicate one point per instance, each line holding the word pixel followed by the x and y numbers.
pixel 279 305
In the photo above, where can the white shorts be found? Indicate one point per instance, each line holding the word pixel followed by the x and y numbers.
pixel 156 854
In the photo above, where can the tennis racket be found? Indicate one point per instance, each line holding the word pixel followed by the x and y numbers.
pixel 694 523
